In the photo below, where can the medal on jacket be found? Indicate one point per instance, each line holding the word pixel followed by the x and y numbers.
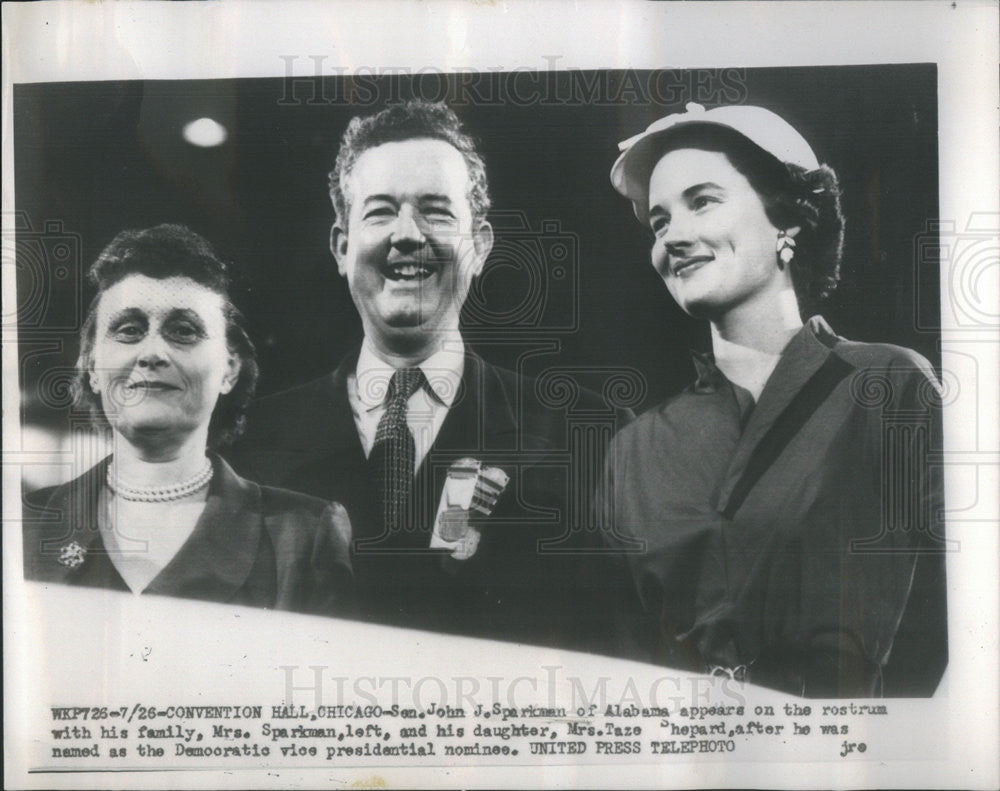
pixel 470 493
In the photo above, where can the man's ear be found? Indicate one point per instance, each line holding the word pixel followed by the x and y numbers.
pixel 338 246
pixel 483 241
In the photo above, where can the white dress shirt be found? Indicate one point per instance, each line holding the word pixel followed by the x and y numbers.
pixel 368 386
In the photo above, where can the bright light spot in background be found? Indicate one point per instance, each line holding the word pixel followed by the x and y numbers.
pixel 205 133
pixel 59 456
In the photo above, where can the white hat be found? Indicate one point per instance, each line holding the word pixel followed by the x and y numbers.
pixel 770 132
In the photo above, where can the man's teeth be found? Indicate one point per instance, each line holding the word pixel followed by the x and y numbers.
pixel 409 271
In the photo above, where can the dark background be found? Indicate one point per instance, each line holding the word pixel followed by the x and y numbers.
pixel 570 275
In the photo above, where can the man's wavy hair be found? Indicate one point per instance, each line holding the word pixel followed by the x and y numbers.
pixel 792 196
pixel 163 252
pixel 407 121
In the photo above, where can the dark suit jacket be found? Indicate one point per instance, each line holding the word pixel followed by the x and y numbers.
pixel 540 573
pixel 252 545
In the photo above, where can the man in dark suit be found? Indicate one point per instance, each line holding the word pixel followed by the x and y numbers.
pixel 466 484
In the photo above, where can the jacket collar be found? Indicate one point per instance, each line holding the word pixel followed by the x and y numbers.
pixel 708 378
pixel 812 342
pixel 219 554
pixel 213 563
pixel 803 356
pixel 482 416
pixel 480 424
pixel 71 549
pixel 481 412
pixel 442 370
pixel 331 431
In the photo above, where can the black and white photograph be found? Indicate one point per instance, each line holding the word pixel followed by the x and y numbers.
pixel 537 421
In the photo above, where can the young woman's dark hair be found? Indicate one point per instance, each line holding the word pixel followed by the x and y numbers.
pixel 792 196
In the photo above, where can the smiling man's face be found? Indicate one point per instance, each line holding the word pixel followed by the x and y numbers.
pixel 410 249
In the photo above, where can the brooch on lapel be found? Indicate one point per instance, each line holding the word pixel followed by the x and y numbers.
pixel 72 555
pixel 470 491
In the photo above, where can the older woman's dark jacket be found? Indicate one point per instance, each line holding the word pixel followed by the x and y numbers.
pixel 253 545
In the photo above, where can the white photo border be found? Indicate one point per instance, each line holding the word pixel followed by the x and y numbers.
pixel 69 41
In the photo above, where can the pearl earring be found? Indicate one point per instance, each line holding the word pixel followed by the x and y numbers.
pixel 785 248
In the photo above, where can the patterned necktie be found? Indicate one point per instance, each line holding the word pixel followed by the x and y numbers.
pixel 393 454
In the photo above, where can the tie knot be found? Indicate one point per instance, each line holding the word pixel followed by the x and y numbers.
pixel 404 383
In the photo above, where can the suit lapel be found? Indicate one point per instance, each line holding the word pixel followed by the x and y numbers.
pixel 480 421
pixel 480 416
pixel 75 533
pixel 499 409
pixel 332 462
pixel 217 558
pixel 802 379
pixel 459 435
pixel 341 429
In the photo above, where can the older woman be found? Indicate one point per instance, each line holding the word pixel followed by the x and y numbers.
pixel 779 514
pixel 164 360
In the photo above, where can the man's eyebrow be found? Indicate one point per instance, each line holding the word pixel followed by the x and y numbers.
pixel 434 197
pixel 379 198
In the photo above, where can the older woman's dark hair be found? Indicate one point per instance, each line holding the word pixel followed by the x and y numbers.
pixel 407 121
pixel 792 196
pixel 163 252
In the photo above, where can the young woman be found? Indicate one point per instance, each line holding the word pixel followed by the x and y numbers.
pixel 165 362
pixel 779 515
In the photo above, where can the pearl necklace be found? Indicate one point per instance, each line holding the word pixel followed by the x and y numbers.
pixel 161 494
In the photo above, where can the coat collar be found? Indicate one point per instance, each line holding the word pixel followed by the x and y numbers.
pixel 482 413
pixel 482 416
pixel 70 549
pixel 219 554
pixel 213 563
pixel 812 342
pixel 324 437
pixel 804 355
pixel 330 461
pixel 442 370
